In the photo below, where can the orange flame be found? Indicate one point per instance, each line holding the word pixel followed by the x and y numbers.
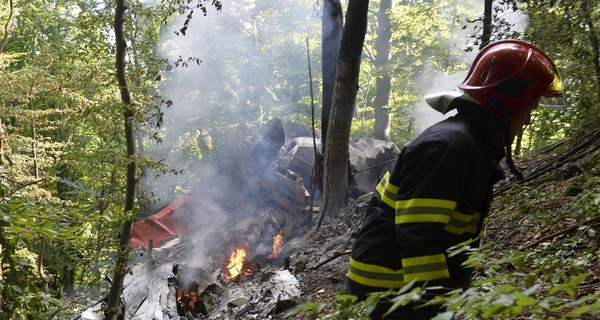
pixel 236 263
pixel 277 243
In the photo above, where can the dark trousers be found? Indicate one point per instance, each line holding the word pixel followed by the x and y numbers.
pixel 412 311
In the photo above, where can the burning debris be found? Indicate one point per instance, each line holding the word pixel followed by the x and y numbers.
pixel 189 301
pixel 236 264
pixel 242 269
pixel 277 244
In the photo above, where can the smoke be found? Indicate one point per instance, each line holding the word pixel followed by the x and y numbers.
pixel 223 76
pixel 515 17
pixel 223 69
pixel 439 81
pixel 424 115
pixel 228 64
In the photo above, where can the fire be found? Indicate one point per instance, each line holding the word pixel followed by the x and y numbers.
pixel 236 263
pixel 277 243
pixel 189 301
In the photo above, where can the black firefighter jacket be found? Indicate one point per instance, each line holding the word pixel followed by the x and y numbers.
pixel 437 196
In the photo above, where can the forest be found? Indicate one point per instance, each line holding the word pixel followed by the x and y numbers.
pixel 112 110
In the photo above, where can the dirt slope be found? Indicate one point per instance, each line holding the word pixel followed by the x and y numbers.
pixel 550 209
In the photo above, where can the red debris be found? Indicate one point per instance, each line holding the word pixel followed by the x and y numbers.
pixel 159 227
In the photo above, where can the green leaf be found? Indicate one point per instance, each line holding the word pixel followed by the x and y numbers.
pixel 524 300
pixel 17 288
pixel 312 307
pixel 591 232
pixel 494 309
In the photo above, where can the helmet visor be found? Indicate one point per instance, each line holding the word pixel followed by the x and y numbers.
pixel 554 94
pixel 557 101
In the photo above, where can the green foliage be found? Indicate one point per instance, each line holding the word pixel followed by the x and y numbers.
pixel 62 170
pixel 517 279
pixel 20 284
pixel 422 56
pixel 347 306
pixel 63 151
pixel 561 28
pixel 515 285
pixel 519 285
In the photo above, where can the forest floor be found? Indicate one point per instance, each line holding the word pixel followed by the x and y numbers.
pixel 548 216
pixel 550 221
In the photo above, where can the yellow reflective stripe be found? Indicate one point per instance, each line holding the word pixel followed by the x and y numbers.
pixel 387 191
pixel 375 276
pixel 427 276
pixel 424 210
pixel 424 202
pixel 374 267
pixel 485 220
pixel 425 268
pixel 459 222
pixel 457 215
pixel 454 229
pixel 414 218
pixel 374 282
pixel 417 261
pixel 474 224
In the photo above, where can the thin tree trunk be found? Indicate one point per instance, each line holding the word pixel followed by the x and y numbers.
pixel 331 36
pixel 1 274
pixel 487 24
pixel 453 33
pixel 593 40
pixel 68 278
pixel 518 144
pixel 383 81
pixel 36 170
pixel 335 182
pixel 112 306
pixel 2 139
pixel 40 265
pixel 7 26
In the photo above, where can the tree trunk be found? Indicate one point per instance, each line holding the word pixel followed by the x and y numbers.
pixel 112 306
pixel 36 170
pixel 68 275
pixel 7 26
pixel 1 274
pixel 518 144
pixel 40 266
pixel 593 40
pixel 453 34
pixel 383 81
pixel 487 24
pixel 1 144
pixel 331 37
pixel 335 182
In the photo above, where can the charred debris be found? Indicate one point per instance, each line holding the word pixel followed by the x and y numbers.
pixel 184 266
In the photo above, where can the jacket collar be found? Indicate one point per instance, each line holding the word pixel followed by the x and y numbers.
pixel 490 130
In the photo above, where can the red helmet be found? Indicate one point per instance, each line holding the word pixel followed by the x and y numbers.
pixel 508 76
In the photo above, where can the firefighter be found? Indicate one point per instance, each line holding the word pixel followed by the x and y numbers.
pixel 439 192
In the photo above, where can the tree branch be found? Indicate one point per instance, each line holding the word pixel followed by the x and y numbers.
pixel 7 26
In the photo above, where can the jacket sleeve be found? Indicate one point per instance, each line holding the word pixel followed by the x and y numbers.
pixel 427 184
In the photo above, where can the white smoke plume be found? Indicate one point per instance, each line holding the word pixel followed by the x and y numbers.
pixel 225 62
pixel 426 116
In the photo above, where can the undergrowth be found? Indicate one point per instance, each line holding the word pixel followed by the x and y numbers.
pixel 539 261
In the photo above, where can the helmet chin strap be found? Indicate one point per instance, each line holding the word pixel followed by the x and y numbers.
pixel 509 160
